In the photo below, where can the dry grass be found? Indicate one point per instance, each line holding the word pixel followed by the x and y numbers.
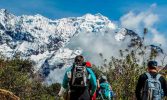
pixel 7 95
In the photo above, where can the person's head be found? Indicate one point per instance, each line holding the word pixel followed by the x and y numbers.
pixel 152 66
pixel 103 79
pixel 79 60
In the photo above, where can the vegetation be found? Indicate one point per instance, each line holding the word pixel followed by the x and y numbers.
pixel 123 72
pixel 17 74
pixel 17 77
pixel 122 75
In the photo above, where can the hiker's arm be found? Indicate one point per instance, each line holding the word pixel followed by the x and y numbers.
pixel 64 85
pixel 139 88
pixel 110 88
pixel 93 82
pixel 61 92
pixel 65 81
pixel 98 83
pixel 66 78
pixel 164 85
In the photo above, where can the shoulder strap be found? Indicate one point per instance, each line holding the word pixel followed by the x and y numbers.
pixel 72 74
pixel 158 76
pixel 148 75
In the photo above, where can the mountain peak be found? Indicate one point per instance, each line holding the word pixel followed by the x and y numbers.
pixel 95 17
pixel 3 10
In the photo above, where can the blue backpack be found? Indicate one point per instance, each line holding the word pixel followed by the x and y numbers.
pixel 105 91
pixel 152 89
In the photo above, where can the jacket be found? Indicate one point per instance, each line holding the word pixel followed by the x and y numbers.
pixel 92 79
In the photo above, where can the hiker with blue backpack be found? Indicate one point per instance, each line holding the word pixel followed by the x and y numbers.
pixel 105 91
pixel 151 85
pixel 77 80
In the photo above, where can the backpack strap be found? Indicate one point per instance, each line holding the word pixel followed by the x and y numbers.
pixel 71 71
pixel 158 76
pixel 148 75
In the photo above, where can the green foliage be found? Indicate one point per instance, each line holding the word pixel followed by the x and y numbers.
pixel 122 75
pixel 16 76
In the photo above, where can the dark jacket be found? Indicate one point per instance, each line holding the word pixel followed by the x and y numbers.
pixel 141 83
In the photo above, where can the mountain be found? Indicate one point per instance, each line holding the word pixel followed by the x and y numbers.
pixel 44 41
pixel 51 44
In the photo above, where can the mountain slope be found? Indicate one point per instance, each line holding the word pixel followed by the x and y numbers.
pixel 43 40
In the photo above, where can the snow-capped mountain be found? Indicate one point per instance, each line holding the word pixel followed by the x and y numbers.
pixel 43 40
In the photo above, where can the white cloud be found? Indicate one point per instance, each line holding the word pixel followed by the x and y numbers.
pixel 131 20
pixel 137 21
pixel 95 43
pixel 158 38
pixel 150 19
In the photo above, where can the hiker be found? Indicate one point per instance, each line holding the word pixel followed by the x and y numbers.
pixel 89 65
pixel 76 79
pixel 151 85
pixel 105 91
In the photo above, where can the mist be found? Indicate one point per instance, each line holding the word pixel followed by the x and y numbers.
pixel 94 44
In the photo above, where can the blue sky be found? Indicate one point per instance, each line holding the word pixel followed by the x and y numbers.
pixel 113 9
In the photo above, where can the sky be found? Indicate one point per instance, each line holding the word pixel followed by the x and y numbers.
pixel 113 9
pixel 127 13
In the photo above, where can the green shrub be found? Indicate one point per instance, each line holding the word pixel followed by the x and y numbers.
pixel 16 76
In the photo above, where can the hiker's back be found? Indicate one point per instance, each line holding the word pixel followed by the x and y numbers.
pixel 152 88
pixel 79 77
pixel 76 80
pixel 105 91
pixel 79 83
pixel 151 85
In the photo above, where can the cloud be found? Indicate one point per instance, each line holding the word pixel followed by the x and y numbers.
pixel 130 21
pixel 95 43
pixel 148 19
pixel 158 38
pixel 137 21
